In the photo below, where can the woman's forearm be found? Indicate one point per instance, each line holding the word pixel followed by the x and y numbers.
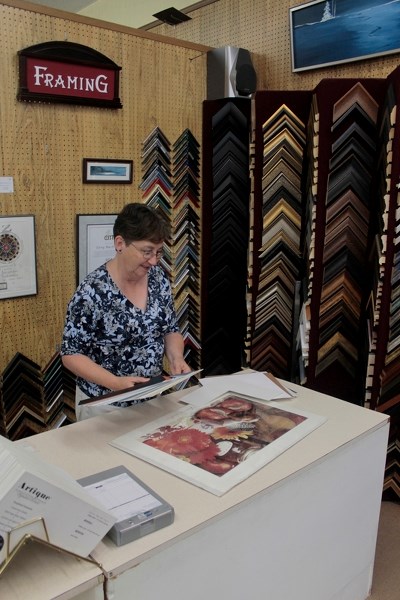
pixel 174 347
pixel 85 367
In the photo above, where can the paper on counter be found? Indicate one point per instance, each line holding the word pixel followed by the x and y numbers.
pixel 262 386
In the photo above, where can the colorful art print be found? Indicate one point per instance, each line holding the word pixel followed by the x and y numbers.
pixel 219 437
pixel 221 444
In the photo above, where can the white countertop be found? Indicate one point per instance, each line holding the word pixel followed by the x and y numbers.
pixel 83 449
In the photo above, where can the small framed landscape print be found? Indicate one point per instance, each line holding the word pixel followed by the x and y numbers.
pixel 105 170
pixel 17 257
pixel 329 32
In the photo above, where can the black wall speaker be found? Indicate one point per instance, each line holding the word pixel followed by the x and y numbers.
pixel 230 73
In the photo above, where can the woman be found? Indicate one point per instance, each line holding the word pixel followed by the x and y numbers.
pixel 121 320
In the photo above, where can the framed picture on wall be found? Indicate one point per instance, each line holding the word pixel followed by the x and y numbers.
pixel 17 256
pixel 104 170
pixel 329 32
pixel 95 240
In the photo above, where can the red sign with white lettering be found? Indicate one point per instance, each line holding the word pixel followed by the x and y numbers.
pixel 68 73
pixel 50 77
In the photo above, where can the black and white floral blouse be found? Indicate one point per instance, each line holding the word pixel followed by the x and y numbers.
pixel 104 325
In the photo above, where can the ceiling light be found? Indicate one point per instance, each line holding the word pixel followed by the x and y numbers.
pixel 171 16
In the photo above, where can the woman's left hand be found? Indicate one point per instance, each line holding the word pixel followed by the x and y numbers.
pixel 174 348
pixel 178 366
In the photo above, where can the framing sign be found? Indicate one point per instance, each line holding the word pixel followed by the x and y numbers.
pixel 69 74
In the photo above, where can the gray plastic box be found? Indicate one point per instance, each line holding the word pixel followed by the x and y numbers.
pixel 158 514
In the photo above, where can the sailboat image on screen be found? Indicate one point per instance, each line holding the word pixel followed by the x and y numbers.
pixel 329 12
pixel 328 32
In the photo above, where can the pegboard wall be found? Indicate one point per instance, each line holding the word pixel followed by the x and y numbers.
pixel 42 147
pixel 162 85
pixel 262 27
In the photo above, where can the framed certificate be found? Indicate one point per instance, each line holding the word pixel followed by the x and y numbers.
pixel 95 238
pixel 17 257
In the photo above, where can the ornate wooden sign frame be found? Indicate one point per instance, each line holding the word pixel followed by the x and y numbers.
pixel 68 73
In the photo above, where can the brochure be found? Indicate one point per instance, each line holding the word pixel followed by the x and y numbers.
pixel 36 496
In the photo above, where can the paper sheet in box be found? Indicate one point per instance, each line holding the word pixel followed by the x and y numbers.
pixel 137 508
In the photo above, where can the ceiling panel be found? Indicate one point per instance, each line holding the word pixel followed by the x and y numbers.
pixel 135 13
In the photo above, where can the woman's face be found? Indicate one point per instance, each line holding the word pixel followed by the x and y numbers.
pixel 139 256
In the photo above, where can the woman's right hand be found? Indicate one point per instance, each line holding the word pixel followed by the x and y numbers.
pixel 121 383
pixel 85 367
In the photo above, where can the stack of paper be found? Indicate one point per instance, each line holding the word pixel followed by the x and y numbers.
pixel 154 387
pixel 262 386
pixel 31 489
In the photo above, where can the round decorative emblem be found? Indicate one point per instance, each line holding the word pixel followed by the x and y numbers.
pixel 9 247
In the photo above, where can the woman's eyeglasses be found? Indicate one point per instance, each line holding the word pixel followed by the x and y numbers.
pixel 147 254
